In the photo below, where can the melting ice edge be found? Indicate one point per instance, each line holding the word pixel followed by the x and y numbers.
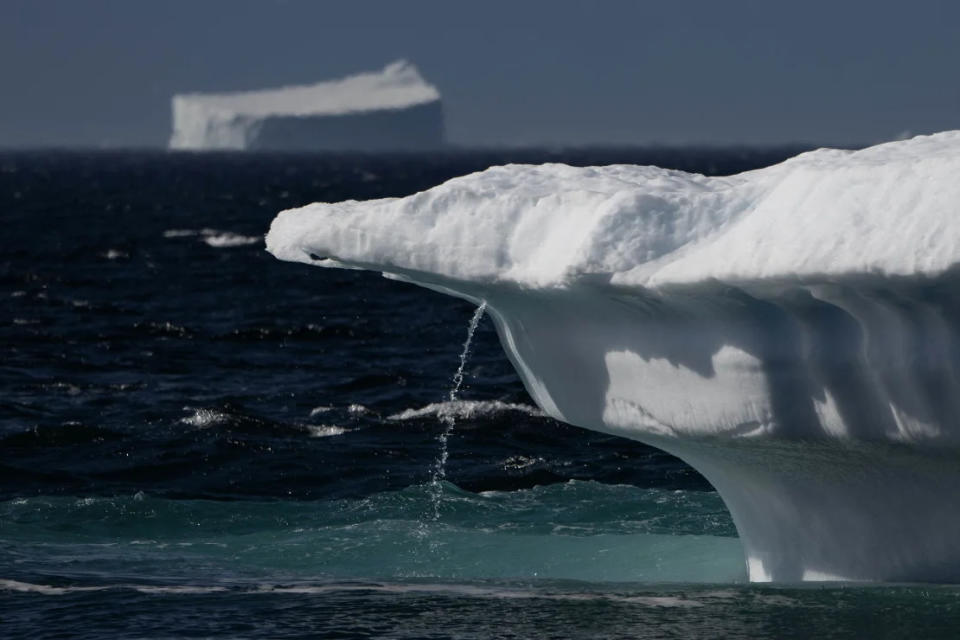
pixel 792 332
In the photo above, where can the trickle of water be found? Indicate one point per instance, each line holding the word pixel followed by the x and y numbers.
pixel 448 419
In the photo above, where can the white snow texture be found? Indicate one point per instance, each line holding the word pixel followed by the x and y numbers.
pixel 889 209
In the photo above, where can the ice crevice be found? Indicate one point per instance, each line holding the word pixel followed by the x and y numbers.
pixel 791 332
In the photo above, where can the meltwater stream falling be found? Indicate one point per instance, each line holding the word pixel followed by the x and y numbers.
pixel 448 419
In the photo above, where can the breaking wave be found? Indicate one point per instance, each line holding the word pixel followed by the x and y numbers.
pixel 467 410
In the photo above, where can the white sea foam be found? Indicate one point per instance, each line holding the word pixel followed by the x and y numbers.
pixel 475 591
pixel 228 239
pixel 179 233
pixel 439 589
pixel 461 590
pixel 466 410
pixel 53 590
pixel 516 463
pixel 43 589
pixel 325 430
pixel 215 238
pixel 204 417
pixel 176 589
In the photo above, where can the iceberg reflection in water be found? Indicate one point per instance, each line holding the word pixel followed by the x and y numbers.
pixel 791 332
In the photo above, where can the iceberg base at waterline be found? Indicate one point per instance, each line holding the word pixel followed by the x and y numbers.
pixel 791 332
pixel 830 454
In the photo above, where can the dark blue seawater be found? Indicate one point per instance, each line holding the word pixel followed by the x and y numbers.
pixel 197 440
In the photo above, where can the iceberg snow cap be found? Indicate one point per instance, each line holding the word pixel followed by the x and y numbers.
pixel 888 209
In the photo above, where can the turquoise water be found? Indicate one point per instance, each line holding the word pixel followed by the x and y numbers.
pixel 577 559
pixel 575 530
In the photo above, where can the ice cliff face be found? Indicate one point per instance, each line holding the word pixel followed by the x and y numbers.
pixel 392 109
pixel 792 332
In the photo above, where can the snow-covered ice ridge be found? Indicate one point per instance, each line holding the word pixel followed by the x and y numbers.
pixel 394 108
pixel 792 332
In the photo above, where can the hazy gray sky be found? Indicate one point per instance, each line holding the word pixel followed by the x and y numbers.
pixel 101 72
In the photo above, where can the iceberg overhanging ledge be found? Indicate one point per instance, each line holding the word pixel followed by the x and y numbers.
pixel 792 332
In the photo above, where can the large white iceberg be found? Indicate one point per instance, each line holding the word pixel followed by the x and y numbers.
pixel 792 332
pixel 392 109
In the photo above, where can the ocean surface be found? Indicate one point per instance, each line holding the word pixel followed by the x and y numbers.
pixel 197 440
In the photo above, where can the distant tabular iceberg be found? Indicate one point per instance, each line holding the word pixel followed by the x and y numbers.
pixel 792 332
pixel 392 109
